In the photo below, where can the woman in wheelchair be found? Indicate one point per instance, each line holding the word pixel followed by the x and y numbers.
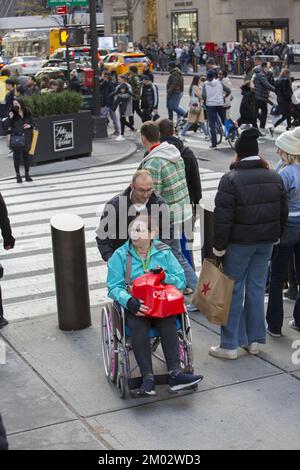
pixel 148 254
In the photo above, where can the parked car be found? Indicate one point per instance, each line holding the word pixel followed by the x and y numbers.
pixel 24 65
pixel 3 61
pixel 76 54
pixel 119 62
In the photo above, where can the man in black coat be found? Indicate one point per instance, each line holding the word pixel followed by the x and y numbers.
pixel 8 243
pixel 262 88
pixel 121 210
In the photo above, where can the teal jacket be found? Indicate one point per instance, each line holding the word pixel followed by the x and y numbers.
pixel 160 255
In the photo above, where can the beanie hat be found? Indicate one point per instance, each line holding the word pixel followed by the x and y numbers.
pixel 289 141
pixel 211 74
pixel 247 145
pixel 172 65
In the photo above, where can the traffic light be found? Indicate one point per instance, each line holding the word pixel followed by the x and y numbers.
pixel 71 36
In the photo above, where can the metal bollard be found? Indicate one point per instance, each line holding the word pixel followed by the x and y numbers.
pixel 70 268
pixel 207 227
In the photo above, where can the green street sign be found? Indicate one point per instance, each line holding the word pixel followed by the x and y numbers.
pixel 68 3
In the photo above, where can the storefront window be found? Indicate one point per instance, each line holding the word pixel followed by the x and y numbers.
pixel 262 30
pixel 119 25
pixel 184 26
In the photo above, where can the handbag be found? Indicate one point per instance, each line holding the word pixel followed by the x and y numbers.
pixel 17 141
pixel 163 300
pixel 213 294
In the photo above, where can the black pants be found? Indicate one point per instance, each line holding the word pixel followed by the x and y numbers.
pixel 147 115
pixel 284 109
pixel 1 305
pixel 261 106
pixel 136 108
pixel 18 154
pixel 124 123
pixel 140 327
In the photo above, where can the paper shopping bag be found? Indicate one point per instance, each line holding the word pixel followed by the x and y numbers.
pixel 35 135
pixel 213 294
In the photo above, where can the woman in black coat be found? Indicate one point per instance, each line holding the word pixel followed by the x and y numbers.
pixel 247 108
pixel 250 214
pixel 20 123
pixel 284 93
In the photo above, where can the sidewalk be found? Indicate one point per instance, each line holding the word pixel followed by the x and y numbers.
pixel 54 394
pixel 105 152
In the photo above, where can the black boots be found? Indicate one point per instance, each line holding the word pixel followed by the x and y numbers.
pixel 19 178
pixel 3 322
pixel 27 177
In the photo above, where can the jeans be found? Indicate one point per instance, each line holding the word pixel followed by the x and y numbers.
pixel 105 111
pixel 190 275
pixel 290 243
pixel 140 327
pixel 173 105
pixel 201 125
pixel 248 266
pixel 18 154
pixel 262 117
pixel 212 114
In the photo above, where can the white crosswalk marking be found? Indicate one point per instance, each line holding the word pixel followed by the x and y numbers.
pixel 28 286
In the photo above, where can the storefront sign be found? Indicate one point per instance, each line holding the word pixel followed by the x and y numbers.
pixel 183 4
pixel 275 23
pixel 63 135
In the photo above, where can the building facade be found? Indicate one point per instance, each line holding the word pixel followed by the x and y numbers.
pixel 206 20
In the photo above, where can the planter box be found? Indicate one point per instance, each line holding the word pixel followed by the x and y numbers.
pixel 62 136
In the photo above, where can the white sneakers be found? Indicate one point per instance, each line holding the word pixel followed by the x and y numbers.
pixel 231 354
pixel 120 138
pixel 222 353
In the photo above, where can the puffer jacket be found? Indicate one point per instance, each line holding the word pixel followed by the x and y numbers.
pixel 250 206
pixel 262 87
pixel 175 82
pixel 283 90
pixel 247 107
pixel 161 255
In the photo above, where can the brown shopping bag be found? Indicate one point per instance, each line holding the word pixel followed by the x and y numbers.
pixel 35 135
pixel 214 293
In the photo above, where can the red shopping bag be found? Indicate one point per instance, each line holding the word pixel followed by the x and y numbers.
pixel 163 300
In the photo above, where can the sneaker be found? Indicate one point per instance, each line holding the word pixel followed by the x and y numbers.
pixel 262 131
pixel 191 308
pixel 252 348
pixel 120 138
pixel 3 322
pixel 147 389
pixel 181 381
pixel 212 146
pixel 28 178
pixel 115 133
pixel 206 137
pixel 274 335
pixel 188 291
pixel 293 325
pixel 271 130
pixel 217 351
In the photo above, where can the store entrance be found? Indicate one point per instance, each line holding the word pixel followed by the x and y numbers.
pixel 262 31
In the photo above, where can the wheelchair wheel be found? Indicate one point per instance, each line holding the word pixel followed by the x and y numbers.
pixel 109 342
pixel 121 386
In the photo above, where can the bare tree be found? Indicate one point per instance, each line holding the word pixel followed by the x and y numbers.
pixel 32 7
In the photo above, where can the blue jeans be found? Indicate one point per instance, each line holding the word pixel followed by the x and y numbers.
pixel 173 105
pixel 289 245
pixel 212 115
pixel 190 275
pixel 201 125
pixel 248 266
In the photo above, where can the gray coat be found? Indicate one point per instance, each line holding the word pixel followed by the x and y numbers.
pixel 128 109
pixel 262 87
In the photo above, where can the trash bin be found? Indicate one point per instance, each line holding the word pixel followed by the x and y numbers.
pixel 70 269
pixel 207 207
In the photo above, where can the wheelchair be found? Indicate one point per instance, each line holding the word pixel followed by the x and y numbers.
pixel 116 350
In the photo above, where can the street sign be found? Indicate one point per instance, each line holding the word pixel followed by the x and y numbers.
pixel 68 3
pixel 62 10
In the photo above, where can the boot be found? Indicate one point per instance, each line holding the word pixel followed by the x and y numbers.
pixel 3 322
pixel 19 178
pixel 27 177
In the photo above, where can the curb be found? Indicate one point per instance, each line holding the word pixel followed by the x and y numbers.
pixel 128 154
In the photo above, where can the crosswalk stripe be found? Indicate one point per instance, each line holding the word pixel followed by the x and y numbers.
pixel 28 286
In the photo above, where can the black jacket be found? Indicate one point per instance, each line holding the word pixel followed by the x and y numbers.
pixel 15 125
pixel 8 239
pixel 247 107
pixel 191 168
pixel 149 97
pixel 262 86
pixel 110 239
pixel 283 90
pixel 250 206
pixel 175 82
pixel 107 88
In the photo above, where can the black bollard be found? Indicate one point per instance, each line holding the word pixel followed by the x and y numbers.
pixel 70 268
pixel 207 227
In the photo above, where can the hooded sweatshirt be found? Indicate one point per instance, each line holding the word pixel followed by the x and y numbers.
pixel 213 92
pixel 168 173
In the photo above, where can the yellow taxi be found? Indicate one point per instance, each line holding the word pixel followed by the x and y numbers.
pixel 119 62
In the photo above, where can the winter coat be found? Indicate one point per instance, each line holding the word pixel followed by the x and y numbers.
pixel 160 255
pixel 168 173
pixel 247 107
pixel 191 168
pixel 149 97
pixel 107 88
pixel 175 82
pixel 8 239
pixel 109 238
pixel 124 101
pixel 283 90
pixel 193 116
pixel 262 87
pixel 135 84
pixel 250 206
pixel 15 125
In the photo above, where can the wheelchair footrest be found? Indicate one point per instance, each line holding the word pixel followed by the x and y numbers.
pixel 136 382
